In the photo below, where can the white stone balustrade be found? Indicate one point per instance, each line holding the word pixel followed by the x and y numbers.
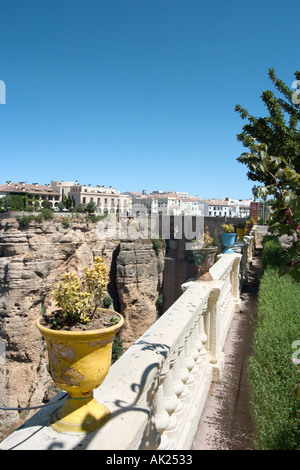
pixel 157 390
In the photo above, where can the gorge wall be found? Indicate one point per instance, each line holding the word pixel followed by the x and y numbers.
pixel 31 261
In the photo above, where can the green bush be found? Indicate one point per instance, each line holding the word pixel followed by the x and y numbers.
pixel 107 301
pixel 159 244
pixel 24 220
pixel 45 214
pixel 273 254
pixel 273 375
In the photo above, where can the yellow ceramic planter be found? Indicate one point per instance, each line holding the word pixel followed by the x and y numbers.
pixel 241 232
pixel 78 363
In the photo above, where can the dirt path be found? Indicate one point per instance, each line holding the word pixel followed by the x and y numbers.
pixel 226 423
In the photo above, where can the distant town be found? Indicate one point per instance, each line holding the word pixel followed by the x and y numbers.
pixel 69 195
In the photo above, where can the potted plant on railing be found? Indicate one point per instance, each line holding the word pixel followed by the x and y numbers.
pixel 228 237
pixel 241 230
pixel 249 225
pixel 204 253
pixel 79 337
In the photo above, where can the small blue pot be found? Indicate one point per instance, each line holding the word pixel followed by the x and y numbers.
pixel 228 240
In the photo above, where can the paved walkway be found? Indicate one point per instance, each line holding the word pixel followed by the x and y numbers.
pixel 226 423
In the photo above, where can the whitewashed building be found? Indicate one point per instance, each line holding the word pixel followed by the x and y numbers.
pixel 229 207
pixel 168 203
pixel 108 200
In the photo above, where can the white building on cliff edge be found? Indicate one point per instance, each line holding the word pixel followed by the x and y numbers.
pixel 108 200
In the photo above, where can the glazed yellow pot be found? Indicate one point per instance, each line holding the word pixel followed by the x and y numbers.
pixel 78 363
pixel 241 232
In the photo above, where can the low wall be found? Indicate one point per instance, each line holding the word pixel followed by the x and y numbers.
pixel 157 390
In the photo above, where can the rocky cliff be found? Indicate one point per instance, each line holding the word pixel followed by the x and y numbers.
pixel 31 261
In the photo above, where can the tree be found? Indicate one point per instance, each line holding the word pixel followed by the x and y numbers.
pixel 91 207
pixel 46 204
pixel 279 130
pixel 16 202
pixel 5 202
pixel 274 160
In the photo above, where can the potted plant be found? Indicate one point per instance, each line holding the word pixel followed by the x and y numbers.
pixel 204 253
pixel 241 230
pixel 249 225
pixel 79 336
pixel 228 237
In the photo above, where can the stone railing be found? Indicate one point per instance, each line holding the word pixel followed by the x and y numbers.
pixel 157 390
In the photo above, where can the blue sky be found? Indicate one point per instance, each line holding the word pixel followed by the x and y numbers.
pixel 138 94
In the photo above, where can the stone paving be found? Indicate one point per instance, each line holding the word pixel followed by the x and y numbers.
pixel 226 422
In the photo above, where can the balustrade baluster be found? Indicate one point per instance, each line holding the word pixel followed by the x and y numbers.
pixel 171 402
pixel 161 416
pixel 203 336
pixel 178 387
pixel 190 363
pixel 206 330
pixel 183 375
pixel 199 343
pixel 194 351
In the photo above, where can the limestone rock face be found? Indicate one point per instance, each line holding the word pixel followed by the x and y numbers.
pixel 139 278
pixel 31 262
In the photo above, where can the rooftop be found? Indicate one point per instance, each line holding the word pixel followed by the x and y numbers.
pixel 36 188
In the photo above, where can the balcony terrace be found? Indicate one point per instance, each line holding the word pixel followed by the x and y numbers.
pixel 161 390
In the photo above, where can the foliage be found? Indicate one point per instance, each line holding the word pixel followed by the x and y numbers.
pixel 24 220
pixel 67 203
pixel 272 373
pixel 80 208
pixel 273 254
pixel 279 130
pixel 159 301
pixel 117 349
pixel 250 221
pixel 107 301
pixel 67 221
pixel 14 202
pixel 46 204
pixel 78 299
pixel 274 160
pixel 159 244
pixel 216 242
pixel 241 225
pixel 207 240
pixel 284 186
pixel 96 218
pixel 228 228
pixel 45 214
pixel 91 207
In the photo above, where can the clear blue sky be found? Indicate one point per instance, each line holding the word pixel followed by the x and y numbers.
pixel 138 94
